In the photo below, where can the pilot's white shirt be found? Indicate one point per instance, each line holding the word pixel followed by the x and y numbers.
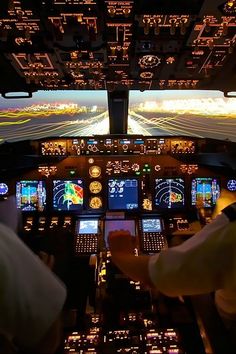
pixel 31 297
pixel 204 263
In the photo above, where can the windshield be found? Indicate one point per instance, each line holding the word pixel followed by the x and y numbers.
pixel 204 114
pixel 84 113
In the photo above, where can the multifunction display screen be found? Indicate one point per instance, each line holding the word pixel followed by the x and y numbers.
pixel 152 225
pixel 89 226
pixel 68 195
pixel 169 193
pixel 31 195
pixel 123 194
pixel 205 191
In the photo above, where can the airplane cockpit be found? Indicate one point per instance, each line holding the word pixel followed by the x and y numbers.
pixel 119 115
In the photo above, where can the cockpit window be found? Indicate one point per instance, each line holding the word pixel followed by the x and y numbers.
pixel 203 114
pixel 54 113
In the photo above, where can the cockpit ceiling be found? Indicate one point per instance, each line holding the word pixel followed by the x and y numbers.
pixel 205 114
pixel 117 45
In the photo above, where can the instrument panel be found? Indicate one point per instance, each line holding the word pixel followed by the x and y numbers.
pixel 156 184
pixel 129 173
pixel 147 191
pixel 87 187
pixel 152 186
pixel 117 146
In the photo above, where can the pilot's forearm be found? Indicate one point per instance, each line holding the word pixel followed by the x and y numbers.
pixel 134 267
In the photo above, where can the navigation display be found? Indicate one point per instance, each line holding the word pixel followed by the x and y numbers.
pixel 31 195
pixel 88 226
pixel 152 225
pixel 68 195
pixel 205 191
pixel 123 194
pixel 169 193
pixel 118 224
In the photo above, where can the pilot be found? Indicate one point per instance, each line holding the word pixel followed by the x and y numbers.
pixel 31 297
pixel 204 263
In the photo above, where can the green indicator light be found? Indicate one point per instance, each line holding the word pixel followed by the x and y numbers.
pixel 72 172
pixel 146 165
pixel 137 173
pixel 149 170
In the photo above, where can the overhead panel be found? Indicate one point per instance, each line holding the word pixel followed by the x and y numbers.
pixel 117 45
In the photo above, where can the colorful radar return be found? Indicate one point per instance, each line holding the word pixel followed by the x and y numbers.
pixel 169 193
pixel 68 195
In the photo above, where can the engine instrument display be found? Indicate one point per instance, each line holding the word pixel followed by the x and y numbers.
pixel 68 195
pixel 31 195
pixel 169 193
pixel 205 191
pixel 122 194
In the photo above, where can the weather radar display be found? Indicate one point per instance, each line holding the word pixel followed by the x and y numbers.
pixel 68 195
pixel 169 193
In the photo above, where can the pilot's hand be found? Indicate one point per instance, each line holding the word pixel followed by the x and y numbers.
pixel 226 198
pixel 120 241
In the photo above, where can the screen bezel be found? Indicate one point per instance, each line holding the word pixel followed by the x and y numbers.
pixel 108 194
pixel 172 208
pixel 81 206
pixel 44 186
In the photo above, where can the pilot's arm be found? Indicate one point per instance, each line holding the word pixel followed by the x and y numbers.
pixel 181 270
pixel 31 297
pixel 199 265
pixel 203 263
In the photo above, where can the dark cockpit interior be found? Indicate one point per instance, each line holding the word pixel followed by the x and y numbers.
pixel 119 115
